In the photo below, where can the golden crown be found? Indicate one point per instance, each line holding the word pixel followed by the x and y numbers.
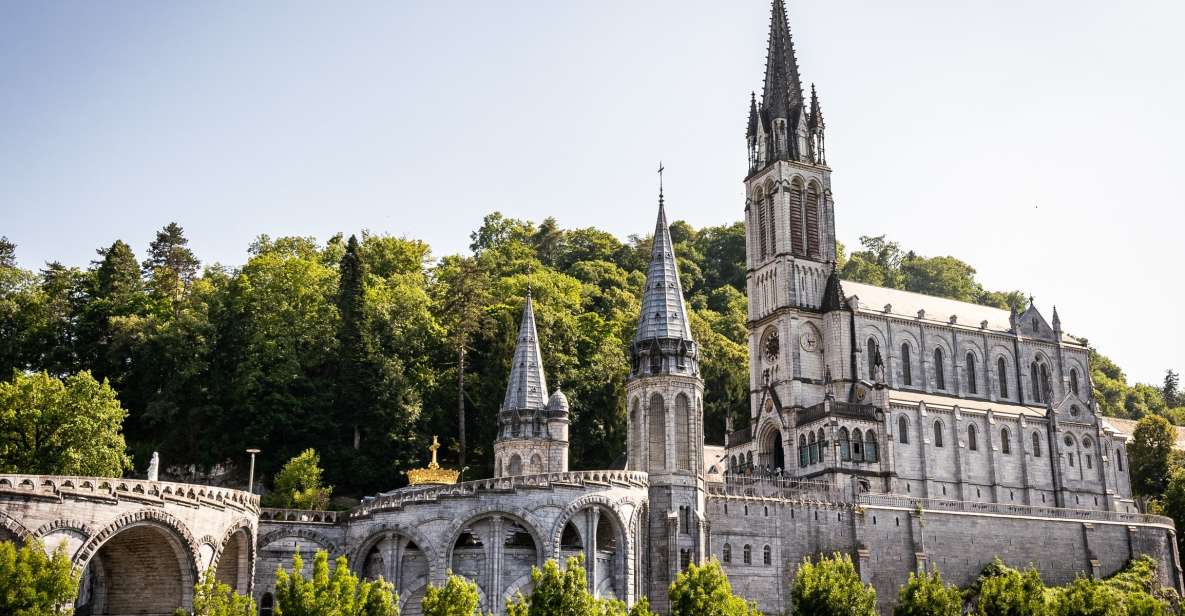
pixel 433 475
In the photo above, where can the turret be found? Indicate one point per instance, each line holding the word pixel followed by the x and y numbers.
pixel 532 430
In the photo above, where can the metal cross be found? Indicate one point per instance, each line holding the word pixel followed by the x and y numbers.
pixel 660 170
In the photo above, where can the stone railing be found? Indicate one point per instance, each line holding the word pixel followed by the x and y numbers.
pixel 1086 515
pixel 776 487
pixel 406 496
pixel 301 516
pixel 60 487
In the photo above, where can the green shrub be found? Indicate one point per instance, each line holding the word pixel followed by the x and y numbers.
pixel 832 587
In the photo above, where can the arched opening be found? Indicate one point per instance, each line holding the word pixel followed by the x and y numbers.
pixel 772 453
pixel 939 369
pixel 234 568
pixel 1074 381
pixel 812 220
pixel 972 438
pixel 658 434
pixel 871 449
pixel 1002 375
pixel 267 604
pixel 397 559
pixel 495 536
pixel 683 433
pixel 1036 445
pixel 906 365
pixel 635 455
pixel 536 464
pixel 796 226
pixel 972 375
pixel 114 581
pixel 516 465
pixel 903 430
pixel 871 350
pixel 845 445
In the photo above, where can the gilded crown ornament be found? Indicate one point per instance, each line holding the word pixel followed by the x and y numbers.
pixel 433 475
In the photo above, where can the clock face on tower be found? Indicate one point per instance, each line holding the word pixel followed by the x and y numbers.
pixel 770 345
pixel 809 341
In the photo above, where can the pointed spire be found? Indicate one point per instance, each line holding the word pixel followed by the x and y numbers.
pixel 816 110
pixel 663 313
pixel 1057 321
pixel 751 130
pixel 833 294
pixel 527 388
pixel 783 89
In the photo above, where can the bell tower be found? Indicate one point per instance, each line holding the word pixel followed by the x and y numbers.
pixel 789 231
pixel 665 439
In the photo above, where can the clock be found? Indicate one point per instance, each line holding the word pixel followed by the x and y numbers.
pixel 771 346
pixel 809 341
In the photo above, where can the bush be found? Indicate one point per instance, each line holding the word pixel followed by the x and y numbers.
pixel 458 597
pixel 927 595
pixel 211 598
pixel 562 593
pixel 1003 591
pixel 298 484
pixel 1085 597
pixel 703 590
pixel 33 583
pixel 832 588
pixel 339 594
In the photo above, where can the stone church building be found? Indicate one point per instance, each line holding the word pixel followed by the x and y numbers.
pixel 911 432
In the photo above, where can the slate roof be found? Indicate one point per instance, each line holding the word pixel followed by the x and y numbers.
pixel 663 313
pixel 527 388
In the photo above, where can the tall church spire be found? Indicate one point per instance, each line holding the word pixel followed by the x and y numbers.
pixel 663 314
pixel 782 96
pixel 527 388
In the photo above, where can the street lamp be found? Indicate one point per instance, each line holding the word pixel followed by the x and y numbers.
pixel 251 473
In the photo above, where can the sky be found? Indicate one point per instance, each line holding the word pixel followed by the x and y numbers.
pixel 1040 141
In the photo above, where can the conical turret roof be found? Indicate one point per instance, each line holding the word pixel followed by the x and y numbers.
pixel 663 313
pixel 782 94
pixel 527 389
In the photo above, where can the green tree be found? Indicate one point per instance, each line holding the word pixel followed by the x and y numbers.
pixel 1173 501
pixel 33 583
pixel 359 376
pixel 703 590
pixel 562 592
pixel 458 597
pixel 1171 389
pixel 210 598
pixel 925 594
pixel 1086 597
pixel 1003 591
pixel 171 266
pixel 61 427
pixel 831 587
pixel 298 484
pixel 339 593
pixel 1149 455
pixel 7 253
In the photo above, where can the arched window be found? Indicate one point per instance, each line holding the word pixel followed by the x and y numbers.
pixel 766 555
pixel 870 447
pixel 972 438
pixel 1005 441
pixel 857 446
pixel 1036 445
pixel 1002 375
pixel 266 604
pixel 972 377
pixel 1035 384
pixel 657 425
pixel 796 197
pixel 939 370
pixel 1074 381
pixel 822 440
pixel 814 448
pixel 803 459
pixel 812 219
pixel 870 349
pixel 516 465
pixel 903 430
pixel 1119 459
pixel 845 446
pixel 726 554
pixel 906 365
pixel 683 431
pixel 762 224
pixel 748 555
pixel 1045 390
pixel 772 212
pixel 938 433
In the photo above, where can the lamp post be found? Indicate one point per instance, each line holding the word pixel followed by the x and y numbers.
pixel 251 473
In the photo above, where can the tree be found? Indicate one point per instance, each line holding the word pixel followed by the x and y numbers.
pixel 1171 389
pixel 458 597
pixel 1003 591
pixel 61 427
pixel 925 594
pixel 210 598
pixel 703 590
pixel 1086 597
pixel 7 253
pixel 1174 501
pixel 1149 454
pixel 298 484
pixel 33 583
pixel 562 593
pixel 832 587
pixel 339 593
pixel 359 377
pixel 463 292
pixel 171 266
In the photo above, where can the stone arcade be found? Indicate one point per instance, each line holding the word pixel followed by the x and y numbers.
pixel 909 431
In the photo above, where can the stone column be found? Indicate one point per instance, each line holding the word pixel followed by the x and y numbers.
pixel 591 517
pixel 495 549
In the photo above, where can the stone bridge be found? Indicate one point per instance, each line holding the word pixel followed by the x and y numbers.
pixel 140 545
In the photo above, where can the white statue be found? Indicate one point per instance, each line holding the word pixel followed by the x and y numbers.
pixel 154 467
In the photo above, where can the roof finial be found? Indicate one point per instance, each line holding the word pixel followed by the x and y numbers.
pixel 660 170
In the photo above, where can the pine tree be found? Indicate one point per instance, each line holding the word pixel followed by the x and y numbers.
pixel 1171 389
pixel 357 377
pixel 171 266
pixel 7 253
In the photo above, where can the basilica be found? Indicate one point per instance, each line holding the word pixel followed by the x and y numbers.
pixel 908 431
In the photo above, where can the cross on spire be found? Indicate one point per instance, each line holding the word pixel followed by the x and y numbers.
pixel 660 170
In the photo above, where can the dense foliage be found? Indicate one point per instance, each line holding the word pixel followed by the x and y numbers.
pixel 57 426
pixel 338 592
pixel 925 594
pixel 33 583
pixel 564 592
pixel 1133 591
pixel 704 590
pixel 211 598
pixel 365 347
pixel 457 597
pixel 831 587
pixel 298 484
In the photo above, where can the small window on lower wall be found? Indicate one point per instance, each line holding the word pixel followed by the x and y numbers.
pixel 726 554
pixel 766 555
pixel 748 555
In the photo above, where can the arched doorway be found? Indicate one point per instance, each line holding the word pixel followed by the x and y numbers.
pixel 496 538
pixel 144 569
pixel 772 452
pixel 399 560
pixel 596 532
pixel 234 565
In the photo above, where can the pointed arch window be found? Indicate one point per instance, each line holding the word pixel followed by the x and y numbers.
pixel 1002 375
pixel 938 433
pixel 845 445
pixel 759 205
pixel 1074 381
pixel 813 447
pixel 906 365
pixel 796 226
pixel 1045 390
pixel 1005 441
pixel 972 377
pixel 871 453
pixel 972 438
pixel 748 555
pixel 726 553
pixel 766 555
pixel 812 220
pixel 1036 381
pixel 772 213
pixel 939 369
pixel 857 446
pixel 1036 445
pixel 1119 459
pixel 871 350
pixel 903 430
pixel 803 453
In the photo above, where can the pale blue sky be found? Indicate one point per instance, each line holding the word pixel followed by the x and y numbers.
pixel 1040 141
